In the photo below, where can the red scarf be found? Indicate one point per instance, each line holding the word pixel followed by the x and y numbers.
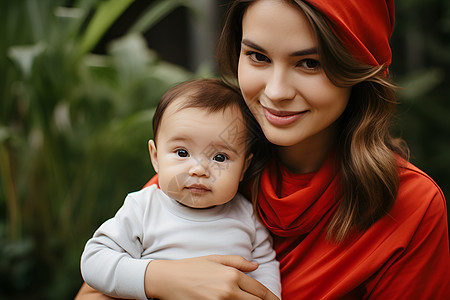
pixel 304 200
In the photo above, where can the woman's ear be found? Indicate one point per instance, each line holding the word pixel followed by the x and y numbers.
pixel 247 162
pixel 153 154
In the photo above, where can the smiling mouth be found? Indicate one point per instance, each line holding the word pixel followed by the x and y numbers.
pixel 281 118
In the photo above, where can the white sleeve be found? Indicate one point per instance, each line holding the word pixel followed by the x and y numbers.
pixel 111 262
pixel 268 272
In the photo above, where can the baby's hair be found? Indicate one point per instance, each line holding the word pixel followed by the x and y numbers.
pixel 210 94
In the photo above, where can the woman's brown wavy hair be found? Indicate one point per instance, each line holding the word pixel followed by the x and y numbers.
pixel 366 149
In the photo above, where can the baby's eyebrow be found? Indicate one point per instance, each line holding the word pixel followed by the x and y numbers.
pixel 224 146
pixel 177 139
pixel 213 146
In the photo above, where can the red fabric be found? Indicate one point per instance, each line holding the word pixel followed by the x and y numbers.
pixel 152 181
pixel 298 217
pixel 364 26
pixel 405 255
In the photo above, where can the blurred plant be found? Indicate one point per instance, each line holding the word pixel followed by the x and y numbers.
pixel 73 133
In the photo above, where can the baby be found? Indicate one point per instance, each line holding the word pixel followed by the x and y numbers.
pixel 201 150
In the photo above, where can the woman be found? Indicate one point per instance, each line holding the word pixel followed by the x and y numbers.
pixel 350 217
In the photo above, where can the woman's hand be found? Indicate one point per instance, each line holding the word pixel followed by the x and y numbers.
pixel 208 277
pixel 88 293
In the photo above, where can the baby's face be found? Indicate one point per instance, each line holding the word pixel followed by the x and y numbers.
pixel 200 157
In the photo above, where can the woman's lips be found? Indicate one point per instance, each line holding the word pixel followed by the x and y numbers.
pixel 281 118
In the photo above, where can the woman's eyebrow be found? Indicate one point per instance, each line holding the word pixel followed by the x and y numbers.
pixel 304 52
pixel 253 45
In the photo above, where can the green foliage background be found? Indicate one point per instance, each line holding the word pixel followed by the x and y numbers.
pixel 74 128
pixel 74 125
pixel 421 66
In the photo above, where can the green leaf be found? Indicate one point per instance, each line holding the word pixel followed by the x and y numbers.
pixel 104 17
pixel 24 56
pixel 155 13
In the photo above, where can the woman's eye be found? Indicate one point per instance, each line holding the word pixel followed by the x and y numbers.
pixel 182 153
pixel 220 157
pixel 257 57
pixel 310 64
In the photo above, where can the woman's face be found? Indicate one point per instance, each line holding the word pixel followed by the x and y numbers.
pixel 282 80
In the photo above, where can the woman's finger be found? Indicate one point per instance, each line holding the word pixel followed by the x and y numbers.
pixel 245 282
pixel 234 261
pixel 255 288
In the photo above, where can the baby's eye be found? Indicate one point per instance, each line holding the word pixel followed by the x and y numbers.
pixel 220 157
pixel 182 153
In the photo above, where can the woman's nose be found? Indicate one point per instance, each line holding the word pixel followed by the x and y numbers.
pixel 278 86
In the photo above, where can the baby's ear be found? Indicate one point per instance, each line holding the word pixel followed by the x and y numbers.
pixel 247 162
pixel 153 154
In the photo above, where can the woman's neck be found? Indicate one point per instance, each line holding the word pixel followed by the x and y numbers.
pixel 308 155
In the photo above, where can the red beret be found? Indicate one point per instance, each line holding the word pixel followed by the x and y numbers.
pixel 364 26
